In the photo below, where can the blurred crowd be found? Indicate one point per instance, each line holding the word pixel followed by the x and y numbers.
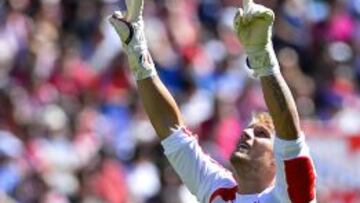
pixel 72 128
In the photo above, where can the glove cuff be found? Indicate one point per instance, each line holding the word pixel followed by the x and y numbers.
pixel 141 64
pixel 263 62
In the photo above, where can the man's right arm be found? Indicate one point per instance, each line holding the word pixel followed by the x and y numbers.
pixel 198 171
pixel 160 106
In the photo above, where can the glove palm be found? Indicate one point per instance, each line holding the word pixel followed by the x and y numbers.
pixel 253 27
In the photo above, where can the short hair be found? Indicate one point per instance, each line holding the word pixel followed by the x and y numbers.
pixel 263 118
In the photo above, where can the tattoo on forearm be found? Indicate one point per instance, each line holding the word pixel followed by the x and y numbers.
pixel 279 94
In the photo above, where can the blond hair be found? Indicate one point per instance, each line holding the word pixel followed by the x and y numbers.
pixel 264 119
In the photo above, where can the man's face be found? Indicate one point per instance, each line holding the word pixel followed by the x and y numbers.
pixel 255 145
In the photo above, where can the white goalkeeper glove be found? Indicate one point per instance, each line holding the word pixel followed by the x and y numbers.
pixel 253 26
pixel 130 28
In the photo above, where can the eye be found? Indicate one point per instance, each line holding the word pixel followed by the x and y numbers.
pixel 262 133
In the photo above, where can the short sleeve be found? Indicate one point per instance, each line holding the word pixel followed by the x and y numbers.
pixel 201 174
pixel 295 172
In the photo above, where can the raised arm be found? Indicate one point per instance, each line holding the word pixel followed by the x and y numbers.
pixel 253 26
pixel 281 105
pixel 159 105
pixel 295 172
pixel 196 169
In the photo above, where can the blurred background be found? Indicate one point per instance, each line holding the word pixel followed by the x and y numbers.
pixel 72 129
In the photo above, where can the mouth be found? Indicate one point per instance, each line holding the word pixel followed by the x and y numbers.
pixel 243 147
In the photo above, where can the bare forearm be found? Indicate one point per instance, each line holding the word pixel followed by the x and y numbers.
pixel 160 106
pixel 282 106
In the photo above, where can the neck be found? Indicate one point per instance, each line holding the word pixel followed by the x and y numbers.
pixel 252 180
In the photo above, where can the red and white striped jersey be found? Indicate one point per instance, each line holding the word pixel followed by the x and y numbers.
pixel 211 183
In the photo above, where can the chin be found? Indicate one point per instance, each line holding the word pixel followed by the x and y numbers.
pixel 239 157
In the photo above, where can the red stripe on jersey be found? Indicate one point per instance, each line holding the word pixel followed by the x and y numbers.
pixel 226 194
pixel 300 177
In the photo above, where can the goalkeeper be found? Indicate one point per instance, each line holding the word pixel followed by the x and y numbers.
pixel 271 162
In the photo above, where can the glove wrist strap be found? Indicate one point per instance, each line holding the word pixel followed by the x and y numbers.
pixel 263 61
pixel 141 64
pixel 140 60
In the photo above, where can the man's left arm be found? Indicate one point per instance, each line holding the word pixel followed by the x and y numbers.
pixel 253 26
pixel 281 105
pixel 295 176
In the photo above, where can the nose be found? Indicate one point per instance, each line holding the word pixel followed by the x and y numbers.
pixel 248 133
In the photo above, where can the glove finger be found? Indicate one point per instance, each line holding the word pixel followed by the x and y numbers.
pixel 238 19
pixel 264 13
pixel 135 9
pixel 259 11
pixel 249 11
pixel 122 27
pixel 240 24
pixel 247 4
pixel 119 14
